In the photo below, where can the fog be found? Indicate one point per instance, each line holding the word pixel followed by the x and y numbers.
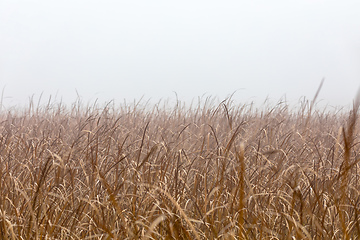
pixel 125 50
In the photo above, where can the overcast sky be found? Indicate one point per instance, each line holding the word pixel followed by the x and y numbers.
pixel 115 50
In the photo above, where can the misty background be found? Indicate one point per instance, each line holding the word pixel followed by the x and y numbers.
pixel 124 50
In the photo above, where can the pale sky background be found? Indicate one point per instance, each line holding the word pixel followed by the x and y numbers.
pixel 116 50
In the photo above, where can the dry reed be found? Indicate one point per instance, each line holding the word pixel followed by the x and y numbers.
pixel 213 171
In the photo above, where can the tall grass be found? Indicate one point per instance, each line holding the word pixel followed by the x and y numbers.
pixel 212 171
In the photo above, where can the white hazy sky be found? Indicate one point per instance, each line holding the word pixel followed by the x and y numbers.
pixel 128 49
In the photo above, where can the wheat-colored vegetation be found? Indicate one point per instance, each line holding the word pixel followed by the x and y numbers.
pixel 213 171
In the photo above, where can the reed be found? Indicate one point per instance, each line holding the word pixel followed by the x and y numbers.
pixel 211 171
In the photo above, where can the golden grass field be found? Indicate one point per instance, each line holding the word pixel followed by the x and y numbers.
pixel 212 171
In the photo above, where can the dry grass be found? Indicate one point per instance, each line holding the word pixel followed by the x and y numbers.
pixel 213 171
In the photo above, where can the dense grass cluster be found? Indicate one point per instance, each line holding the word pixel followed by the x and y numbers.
pixel 214 171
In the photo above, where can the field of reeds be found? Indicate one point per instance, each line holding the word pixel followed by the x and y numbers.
pixel 211 171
